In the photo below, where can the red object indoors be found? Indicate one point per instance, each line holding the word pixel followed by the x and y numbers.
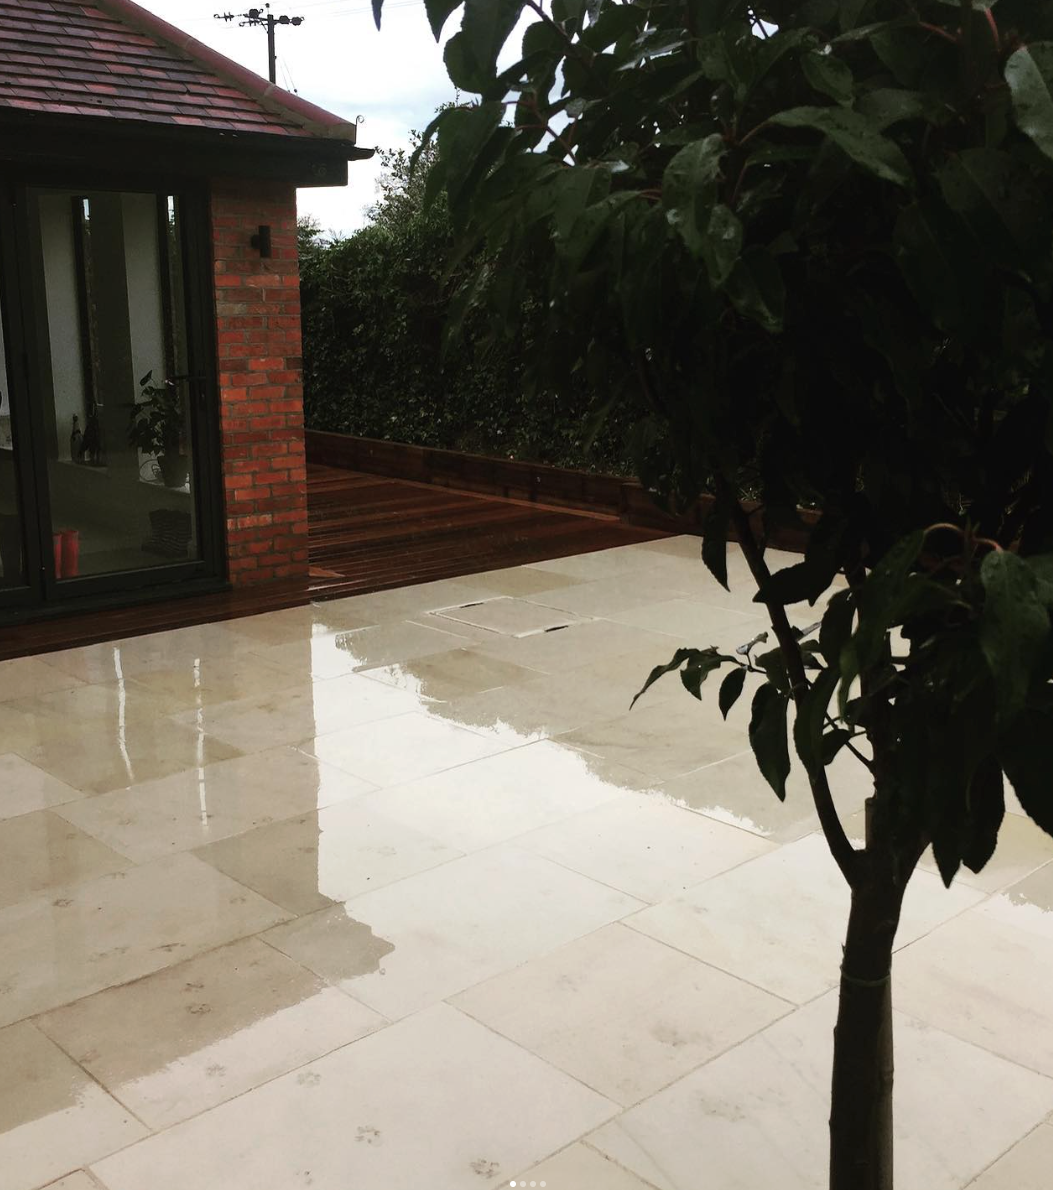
pixel 70 553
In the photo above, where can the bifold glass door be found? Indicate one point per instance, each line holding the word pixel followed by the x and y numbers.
pixel 114 381
pixel 13 570
pixel 116 395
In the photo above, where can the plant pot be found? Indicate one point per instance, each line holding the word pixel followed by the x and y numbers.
pixel 174 470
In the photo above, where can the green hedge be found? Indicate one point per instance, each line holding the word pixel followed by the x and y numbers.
pixel 375 305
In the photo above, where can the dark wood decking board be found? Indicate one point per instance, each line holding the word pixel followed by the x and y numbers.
pixel 370 533
pixel 367 533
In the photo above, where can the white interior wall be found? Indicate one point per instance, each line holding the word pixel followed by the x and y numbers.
pixel 145 309
pixel 60 281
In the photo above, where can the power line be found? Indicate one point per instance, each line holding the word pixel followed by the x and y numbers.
pixel 262 18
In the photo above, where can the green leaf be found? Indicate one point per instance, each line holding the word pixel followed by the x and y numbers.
pixel 986 810
pixel 699 668
pixel 857 136
pixel 885 106
pixel 715 541
pixel 935 261
pixel 689 187
pixel 697 659
pixel 830 76
pixel 768 737
pixel 998 201
pixel 880 608
pixel 810 720
pixel 1014 629
pixel 722 243
pixel 805 580
pixel 438 13
pixel 1028 73
pixel 471 54
pixel 756 288
pixel 1026 754
pixel 774 665
pixel 833 742
pixel 730 689
pixel 836 627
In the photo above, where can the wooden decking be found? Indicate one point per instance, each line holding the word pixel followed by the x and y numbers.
pixel 367 533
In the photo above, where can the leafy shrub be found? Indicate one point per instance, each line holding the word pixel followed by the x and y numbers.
pixel 375 308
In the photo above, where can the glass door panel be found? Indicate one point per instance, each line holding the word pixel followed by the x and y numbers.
pixel 113 381
pixel 12 534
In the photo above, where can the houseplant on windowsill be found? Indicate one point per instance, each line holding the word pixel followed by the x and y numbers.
pixel 156 428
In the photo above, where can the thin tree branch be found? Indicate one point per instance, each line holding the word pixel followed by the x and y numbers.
pixel 845 855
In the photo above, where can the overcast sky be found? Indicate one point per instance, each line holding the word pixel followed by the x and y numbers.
pixel 394 79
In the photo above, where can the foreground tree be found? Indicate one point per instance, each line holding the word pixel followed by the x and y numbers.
pixel 814 236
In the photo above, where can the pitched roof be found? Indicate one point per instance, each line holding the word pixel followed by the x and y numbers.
pixel 111 58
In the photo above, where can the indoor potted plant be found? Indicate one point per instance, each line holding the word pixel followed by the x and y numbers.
pixel 156 428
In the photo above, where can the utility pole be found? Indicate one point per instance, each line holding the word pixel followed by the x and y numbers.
pixel 262 18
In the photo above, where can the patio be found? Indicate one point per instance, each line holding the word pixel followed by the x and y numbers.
pixel 393 891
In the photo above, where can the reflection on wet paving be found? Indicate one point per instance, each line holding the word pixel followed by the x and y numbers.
pixel 396 889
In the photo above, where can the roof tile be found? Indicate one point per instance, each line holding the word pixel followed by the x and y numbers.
pixel 73 56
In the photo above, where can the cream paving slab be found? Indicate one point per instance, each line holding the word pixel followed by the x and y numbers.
pixel 118 659
pixel 24 787
pixel 400 749
pixel 579 1168
pixel 583 643
pixel 436 1100
pixel 399 603
pixel 644 846
pixel 546 705
pixel 1027 904
pixel 201 805
pixel 757 1115
pixel 779 921
pixel 499 797
pixel 1026 1166
pixel 293 716
pixel 443 676
pixel 111 754
pixel 619 593
pixel 105 708
pixel 325 858
pixel 53 1117
pixel 663 740
pixel 622 1013
pixel 297 624
pixel 506 615
pixel 204 680
pixel 599 564
pixel 692 622
pixel 119 927
pixel 451 927
pixel 985 981
pixel 76 1181
pixel 522 581
pixel 333 654
pixel 191 1036
pixel 25 677
pixel 41 851
pixel 733 791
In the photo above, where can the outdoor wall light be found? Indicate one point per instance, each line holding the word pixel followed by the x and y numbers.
pixel 262 239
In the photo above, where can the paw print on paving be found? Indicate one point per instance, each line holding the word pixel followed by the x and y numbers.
pixel 368 1135
pixel 484 1168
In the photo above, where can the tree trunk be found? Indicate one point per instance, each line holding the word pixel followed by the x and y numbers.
pixel 861 1098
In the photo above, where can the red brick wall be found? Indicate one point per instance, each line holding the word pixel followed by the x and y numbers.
pixel 260 382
